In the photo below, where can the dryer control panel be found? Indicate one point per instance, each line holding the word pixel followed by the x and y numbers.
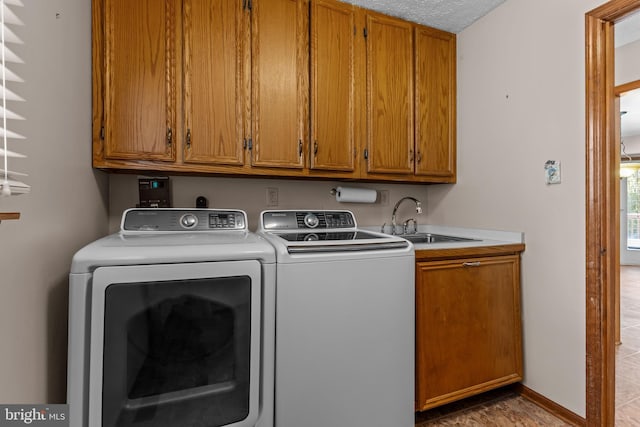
pixel 175 220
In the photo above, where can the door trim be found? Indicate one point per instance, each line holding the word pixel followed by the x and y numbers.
pixel 602 247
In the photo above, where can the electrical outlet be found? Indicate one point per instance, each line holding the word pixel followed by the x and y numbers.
pixel 272 197
pixel 383 197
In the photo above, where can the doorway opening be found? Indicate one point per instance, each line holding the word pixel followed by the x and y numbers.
pixel 602 214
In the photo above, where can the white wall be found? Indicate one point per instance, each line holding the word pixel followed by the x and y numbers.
pixel 520 103
pixel 67 205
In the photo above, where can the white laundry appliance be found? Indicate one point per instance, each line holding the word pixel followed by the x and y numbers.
pixel 344 322
pixel 171 323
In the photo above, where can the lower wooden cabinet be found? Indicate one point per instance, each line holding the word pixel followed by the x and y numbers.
pixel 468 327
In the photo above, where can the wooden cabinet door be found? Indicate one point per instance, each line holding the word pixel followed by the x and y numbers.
pixel 389 110
pixel 280 82
pixel 435 112
pixel 139 83
pixel 468 328
pixel 214 84
pixel 333 107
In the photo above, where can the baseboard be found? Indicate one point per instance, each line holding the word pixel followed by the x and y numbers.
pixel 550 406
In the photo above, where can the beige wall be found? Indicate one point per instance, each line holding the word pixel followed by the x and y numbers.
pixel 249 194
pixel 520 103
pixel 67 205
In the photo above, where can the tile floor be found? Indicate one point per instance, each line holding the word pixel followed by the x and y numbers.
pixel 498 408
pixel 628 353
pixel 505 408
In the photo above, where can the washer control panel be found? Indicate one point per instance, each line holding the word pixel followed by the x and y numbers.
pixel 171 220
pixel 304 220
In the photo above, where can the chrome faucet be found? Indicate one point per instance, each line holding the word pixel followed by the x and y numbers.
pixel 395 209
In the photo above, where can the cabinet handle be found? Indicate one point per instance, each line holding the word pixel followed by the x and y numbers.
pixel 299 148
pixel 188 138
pixel 315 148
pixel 471 264
pixel 169 136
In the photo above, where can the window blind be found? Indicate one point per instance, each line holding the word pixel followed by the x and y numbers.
pixel 10 181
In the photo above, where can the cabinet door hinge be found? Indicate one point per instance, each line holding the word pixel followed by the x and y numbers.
pixel 250 4
pixel 244 144
pixel 188 138
pixel 366 154
pixel 169 136
pixel 299 148
pixel 250 144
pixel 102 133
pixel 364 31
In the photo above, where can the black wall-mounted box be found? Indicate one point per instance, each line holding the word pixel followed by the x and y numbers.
pixel 155 192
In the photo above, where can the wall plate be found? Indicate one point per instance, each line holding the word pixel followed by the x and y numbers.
pixel 552 172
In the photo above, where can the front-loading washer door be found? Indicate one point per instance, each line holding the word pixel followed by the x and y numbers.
pixel 175 345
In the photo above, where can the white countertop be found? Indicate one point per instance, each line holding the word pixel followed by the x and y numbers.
pixel 482 237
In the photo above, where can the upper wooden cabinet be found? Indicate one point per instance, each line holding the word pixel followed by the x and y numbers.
pixel 300 88
pixel 280 82
pixel 389 108
pixel 214 81
pixel 435 103
pixel 334 44
pixel 137 118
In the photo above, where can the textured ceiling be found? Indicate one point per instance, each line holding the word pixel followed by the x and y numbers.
pixel 449 15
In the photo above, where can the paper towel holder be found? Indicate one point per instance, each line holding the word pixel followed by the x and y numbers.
pixel 354 195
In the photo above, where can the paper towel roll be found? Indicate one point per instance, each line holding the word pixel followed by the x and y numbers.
pixel 356 195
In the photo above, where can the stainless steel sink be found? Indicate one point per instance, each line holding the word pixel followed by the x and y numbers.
pixel 434 238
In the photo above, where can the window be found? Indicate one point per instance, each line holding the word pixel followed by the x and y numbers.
pixel 10 181
pixel 632 175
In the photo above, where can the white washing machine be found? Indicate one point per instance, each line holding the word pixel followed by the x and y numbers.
pixel 345 322
pixel 171 323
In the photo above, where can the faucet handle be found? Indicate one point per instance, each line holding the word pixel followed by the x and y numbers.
pixel 405 226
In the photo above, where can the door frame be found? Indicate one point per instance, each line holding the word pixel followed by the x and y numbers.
pixel 602 248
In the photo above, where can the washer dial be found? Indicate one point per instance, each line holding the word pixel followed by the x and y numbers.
pixel 311 220
pixel 188 220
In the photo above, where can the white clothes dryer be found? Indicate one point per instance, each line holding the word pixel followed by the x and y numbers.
pixel 171 323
